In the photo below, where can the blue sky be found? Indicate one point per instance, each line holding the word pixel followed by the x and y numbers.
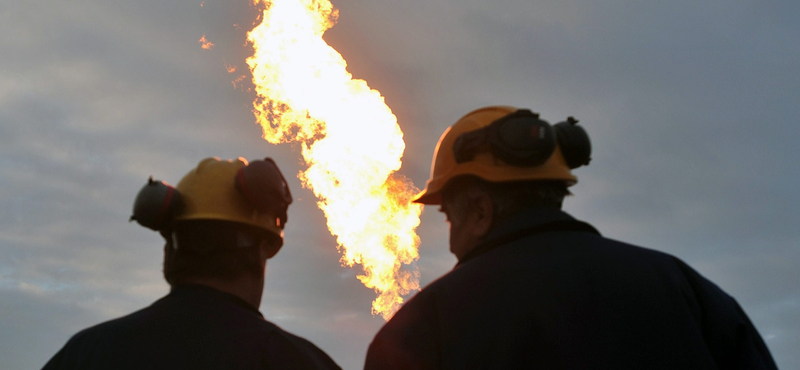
pixel 692 107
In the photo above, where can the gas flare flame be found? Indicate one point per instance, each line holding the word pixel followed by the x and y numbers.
pixel 351 144
pixel 205 44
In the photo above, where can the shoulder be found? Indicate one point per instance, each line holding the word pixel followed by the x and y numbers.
pixel 409 340
pixel 595 246
pixel 87 341
pixel 111 328
pixel 289 351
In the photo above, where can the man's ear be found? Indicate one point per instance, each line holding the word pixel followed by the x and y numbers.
pixel 482 215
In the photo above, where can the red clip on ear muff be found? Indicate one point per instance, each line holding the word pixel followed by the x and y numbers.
pixel 263 184
pixel 156 205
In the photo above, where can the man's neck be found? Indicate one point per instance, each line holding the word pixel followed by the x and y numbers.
pixel 248 288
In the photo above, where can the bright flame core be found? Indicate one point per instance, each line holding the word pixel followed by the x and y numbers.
pixel 350 139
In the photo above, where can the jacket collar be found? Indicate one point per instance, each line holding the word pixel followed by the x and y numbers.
pixel 207 292
pixel 525 223
pixel 524 219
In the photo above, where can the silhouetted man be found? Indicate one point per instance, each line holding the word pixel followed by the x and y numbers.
pixel 535 288
pixel 221 224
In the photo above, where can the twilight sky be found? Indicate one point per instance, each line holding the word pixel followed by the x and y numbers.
pixel 692 108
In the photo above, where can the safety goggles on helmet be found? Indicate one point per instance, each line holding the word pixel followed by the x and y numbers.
pixel 520 139
pixel 501 144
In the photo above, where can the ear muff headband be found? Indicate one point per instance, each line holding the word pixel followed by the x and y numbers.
pixel 202 239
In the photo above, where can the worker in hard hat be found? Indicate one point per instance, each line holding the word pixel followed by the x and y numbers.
pixel 221 224
pixel 534 288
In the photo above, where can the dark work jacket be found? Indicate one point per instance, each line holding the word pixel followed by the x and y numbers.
pixel 193 327
pixel 545 291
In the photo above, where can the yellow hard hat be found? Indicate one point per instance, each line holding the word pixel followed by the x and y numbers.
pixel 484 162
pixel 214 191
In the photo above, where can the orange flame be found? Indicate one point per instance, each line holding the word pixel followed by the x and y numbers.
pixel 205 44
pixel 350 140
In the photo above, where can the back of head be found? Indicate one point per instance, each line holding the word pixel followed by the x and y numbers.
pixel 507 198
pixel 221 221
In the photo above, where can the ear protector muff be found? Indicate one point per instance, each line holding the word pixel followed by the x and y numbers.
pixel 523 139
pixel 574 143
pixel 156 205
pixel 263 185
pixel 260 183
